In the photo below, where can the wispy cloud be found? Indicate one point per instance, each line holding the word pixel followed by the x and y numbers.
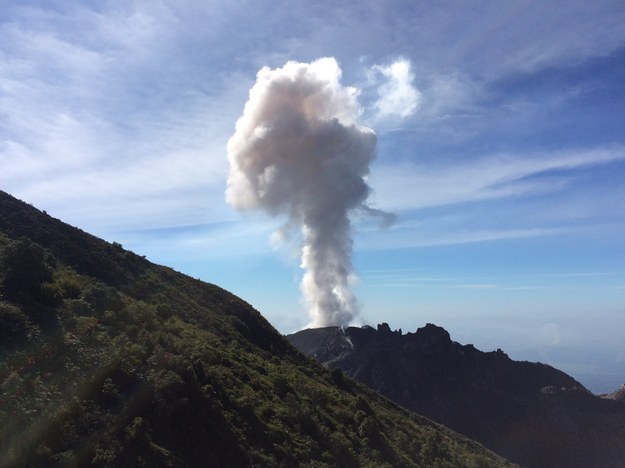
pixel 489 177
pixel 100 126
pixel 213 241
pixel 407 278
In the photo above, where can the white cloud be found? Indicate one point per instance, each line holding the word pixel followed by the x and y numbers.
pixel 397 96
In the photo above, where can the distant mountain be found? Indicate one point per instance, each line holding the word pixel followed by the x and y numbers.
pixel 530 413
pixel 109 360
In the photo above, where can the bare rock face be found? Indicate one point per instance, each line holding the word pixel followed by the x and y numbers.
pixel 618 395
pixel 531 413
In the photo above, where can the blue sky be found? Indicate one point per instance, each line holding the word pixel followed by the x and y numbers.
pixel 507 179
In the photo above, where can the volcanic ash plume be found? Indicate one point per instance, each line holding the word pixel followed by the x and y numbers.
pixel 297 150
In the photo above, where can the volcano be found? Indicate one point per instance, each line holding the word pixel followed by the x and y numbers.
pixel 530 413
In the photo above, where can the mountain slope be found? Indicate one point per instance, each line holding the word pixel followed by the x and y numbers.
pixel 109 360
pixel 530 413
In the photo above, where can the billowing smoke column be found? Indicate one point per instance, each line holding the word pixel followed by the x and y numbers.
pixel 297 150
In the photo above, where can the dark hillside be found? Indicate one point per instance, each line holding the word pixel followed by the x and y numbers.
pixel 109 360
pixel 531 413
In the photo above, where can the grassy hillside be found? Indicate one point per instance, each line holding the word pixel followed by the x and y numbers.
pixel 109 360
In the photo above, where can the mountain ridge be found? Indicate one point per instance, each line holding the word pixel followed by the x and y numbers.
pixel 531 413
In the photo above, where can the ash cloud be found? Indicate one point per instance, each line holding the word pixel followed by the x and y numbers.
pixel 298 151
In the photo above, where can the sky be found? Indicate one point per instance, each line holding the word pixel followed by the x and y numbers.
pixel 500 152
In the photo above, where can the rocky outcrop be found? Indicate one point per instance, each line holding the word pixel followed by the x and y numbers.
pixel 618 395
pixel 531 413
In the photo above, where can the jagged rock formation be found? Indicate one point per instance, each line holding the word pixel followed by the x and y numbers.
pixel 530 413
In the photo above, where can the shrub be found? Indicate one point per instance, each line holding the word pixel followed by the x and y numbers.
pixel 77 308
pixel 281 385
pixel 50 295
pixel 14 325
pixel 102 298
pixel 24 270
pixel 70 288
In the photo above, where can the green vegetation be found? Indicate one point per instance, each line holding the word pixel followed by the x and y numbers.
pixel 109 360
